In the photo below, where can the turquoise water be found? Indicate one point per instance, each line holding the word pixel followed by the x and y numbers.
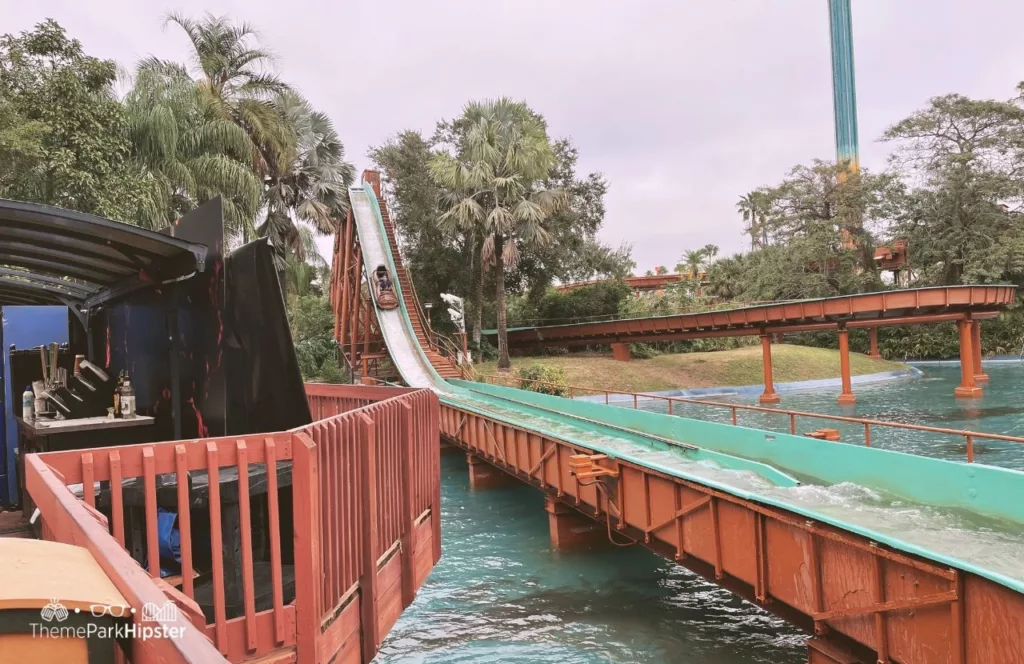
pixel 501 594
pixel 926 400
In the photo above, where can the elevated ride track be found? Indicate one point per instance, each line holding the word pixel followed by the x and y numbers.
pixel 882 556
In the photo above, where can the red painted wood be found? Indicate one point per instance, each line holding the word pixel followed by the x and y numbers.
pixel 307 549
pixel 216 546
pixel 184 521
pixel 245 528
pixel 274 517
pixel 149 489
pixel 368 579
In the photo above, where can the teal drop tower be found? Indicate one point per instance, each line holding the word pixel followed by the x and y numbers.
pixel 844 91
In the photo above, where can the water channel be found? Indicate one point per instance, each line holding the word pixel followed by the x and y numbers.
pixel 501 594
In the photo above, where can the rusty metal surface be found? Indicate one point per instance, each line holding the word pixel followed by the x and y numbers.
pixel 899 307
pixel 856 595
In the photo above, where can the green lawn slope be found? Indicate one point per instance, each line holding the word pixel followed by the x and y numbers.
pixel 741 366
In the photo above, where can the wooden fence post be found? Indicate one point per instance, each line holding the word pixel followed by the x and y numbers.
pixel 368 580
pixel 407 442
pixel 306 488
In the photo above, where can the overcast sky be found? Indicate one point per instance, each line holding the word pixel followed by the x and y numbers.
pixel 683 106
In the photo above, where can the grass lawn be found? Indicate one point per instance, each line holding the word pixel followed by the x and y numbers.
pixel 740 366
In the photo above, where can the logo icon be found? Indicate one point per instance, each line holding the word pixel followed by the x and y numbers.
pixel 54 611
pixel 157 613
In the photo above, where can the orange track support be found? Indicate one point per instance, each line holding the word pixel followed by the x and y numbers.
pixel 769 395
pixel 979 373
pixel 899 307
pixel 967 388
pixel 846 396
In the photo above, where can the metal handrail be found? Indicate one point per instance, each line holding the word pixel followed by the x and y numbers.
pixel 968 435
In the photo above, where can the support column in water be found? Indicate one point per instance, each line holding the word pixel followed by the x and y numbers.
pixel 844 93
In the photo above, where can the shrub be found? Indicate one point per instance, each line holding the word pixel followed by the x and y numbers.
pixel 545 374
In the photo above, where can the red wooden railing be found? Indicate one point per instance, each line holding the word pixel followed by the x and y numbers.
pixel 572 391
pixel 363 520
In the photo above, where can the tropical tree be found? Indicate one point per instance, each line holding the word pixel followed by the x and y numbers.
pixel 309 184
pixel 963 220
pixel 496 188
pixel 188 153
pixel 754 209
pixel 63 138
pixel 236 82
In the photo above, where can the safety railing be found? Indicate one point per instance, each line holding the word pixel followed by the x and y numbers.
pixel 67 519
pixel 635 398
pixel 317 537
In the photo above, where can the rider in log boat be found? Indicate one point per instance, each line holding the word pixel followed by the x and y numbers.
pixel 386 298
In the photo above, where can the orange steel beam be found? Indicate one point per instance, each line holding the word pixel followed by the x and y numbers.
pixel 902 307
pixel 855 594
pixel 979 374
pixel 769 395
pixel 846 395
pixel 967 389
pixel 923 319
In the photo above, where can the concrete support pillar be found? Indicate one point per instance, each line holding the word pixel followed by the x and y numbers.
pixel 979 373
pixel 873 337
pixel 846 396
pixel 571 530
pixel 769 395
pixel 621 352
pixel 483 475
pixel 967 388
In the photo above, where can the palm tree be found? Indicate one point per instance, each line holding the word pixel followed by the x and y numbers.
pixel 310 185
pixel 754 209
pixel 236 83
pixel 494 185
pixel 189 155
pixel 307 275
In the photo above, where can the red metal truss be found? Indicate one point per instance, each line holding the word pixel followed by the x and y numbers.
pixel 899 307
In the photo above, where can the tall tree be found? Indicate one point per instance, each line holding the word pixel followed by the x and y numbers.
pixel 754 208
pixel 440 262
pixel 62 130
pixel 189 153
pixel 309 183
pixel 237 83
pixel 964 218
pixel 495 186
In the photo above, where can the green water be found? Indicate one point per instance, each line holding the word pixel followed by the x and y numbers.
pixel 501 594
pixel 926 400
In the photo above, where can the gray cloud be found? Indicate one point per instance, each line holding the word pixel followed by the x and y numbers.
pixel 682 105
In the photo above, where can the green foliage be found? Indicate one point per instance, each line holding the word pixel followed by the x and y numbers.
pixel 554 375
pixel 440 262
pixel 189 153
pixel 311 321
pixel 495 190
pixel 63 137
pixel 448 260
pixel 309 184
pixel 964 220
pixel 642 351
pixel 603 298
